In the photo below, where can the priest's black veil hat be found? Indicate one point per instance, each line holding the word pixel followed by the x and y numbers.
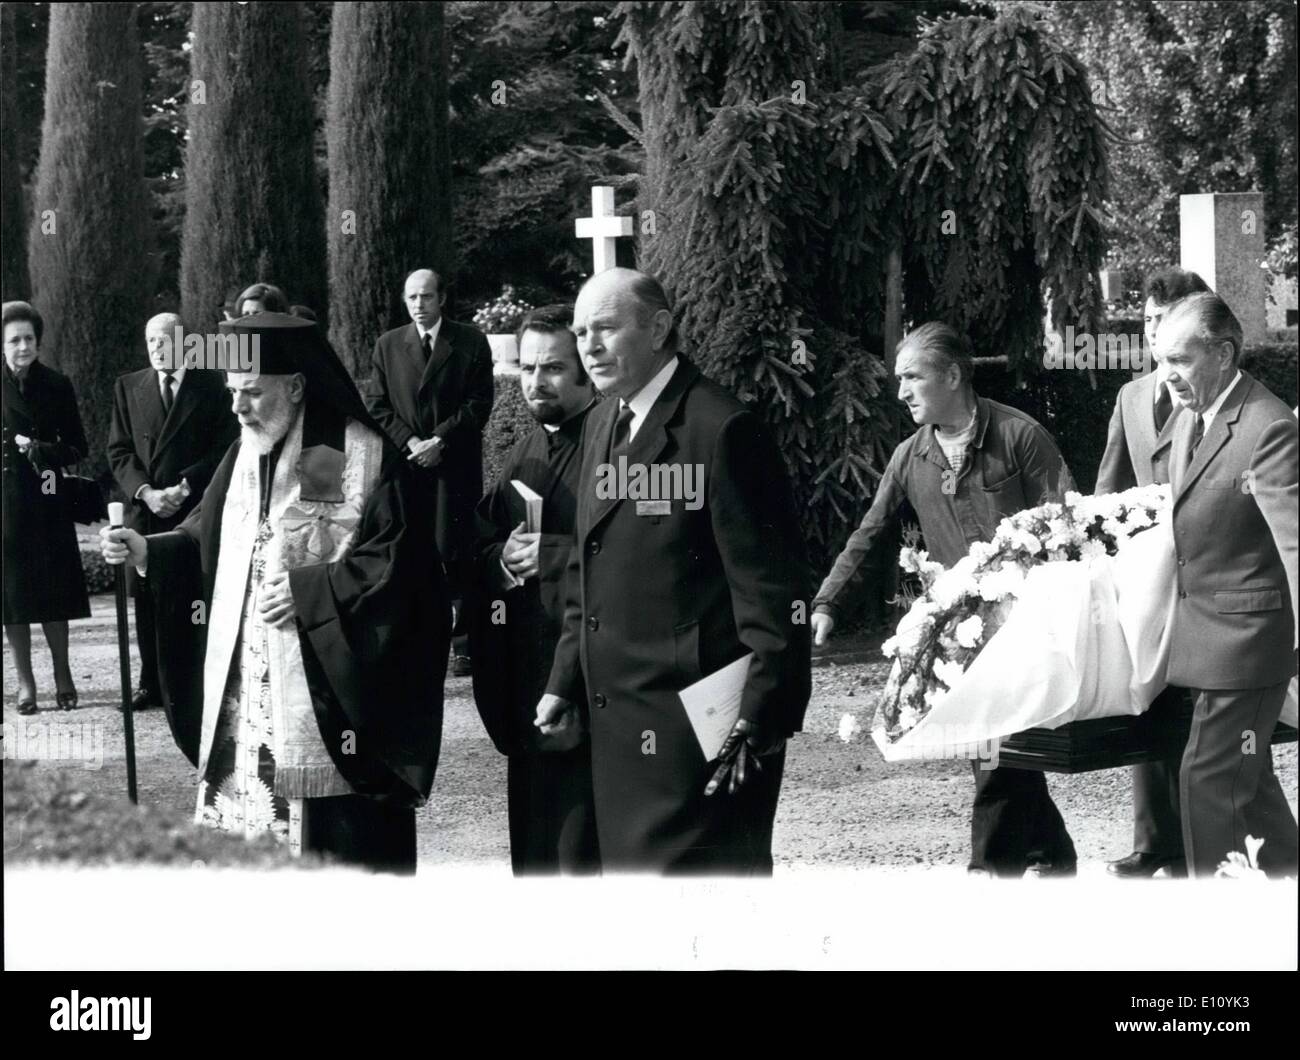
pixel 286 345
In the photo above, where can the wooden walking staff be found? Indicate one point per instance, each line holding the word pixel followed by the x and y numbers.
pixel 116 519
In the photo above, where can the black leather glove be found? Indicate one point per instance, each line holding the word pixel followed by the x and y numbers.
pixel 740 756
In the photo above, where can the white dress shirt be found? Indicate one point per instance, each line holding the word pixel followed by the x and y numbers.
pixel 643 400
pixel 431 332
pixel 1209 414
pixel 178 375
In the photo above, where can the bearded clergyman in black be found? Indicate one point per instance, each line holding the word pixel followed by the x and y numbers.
pixel 303 619
pixel 520 572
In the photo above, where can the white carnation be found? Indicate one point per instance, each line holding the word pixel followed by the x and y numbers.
pixel 950 588
pixel 968 633
pixel 1139 518
pixel 948 672
pixel 849 727
pixel 1093 550
pixel 999 584
pixel 911 559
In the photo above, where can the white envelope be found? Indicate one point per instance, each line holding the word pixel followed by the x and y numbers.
pixel 713 704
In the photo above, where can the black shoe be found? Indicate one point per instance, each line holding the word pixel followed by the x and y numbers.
pixel 27 706
pixel 143 700
pixel 1142 864
pixel 461 666
pixel 1044 869
pixel 66 700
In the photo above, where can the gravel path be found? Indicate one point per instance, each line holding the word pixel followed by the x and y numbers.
pixel 841 804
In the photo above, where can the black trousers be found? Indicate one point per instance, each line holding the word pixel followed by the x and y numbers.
pixel 360 831
pixel 460 583
pixel 552 814
pixel 1014 822
pixel 147 638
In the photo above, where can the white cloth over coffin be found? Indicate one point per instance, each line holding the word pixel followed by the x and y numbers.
pixel 1086 639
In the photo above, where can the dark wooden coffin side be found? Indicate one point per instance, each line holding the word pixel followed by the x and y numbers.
pixel 1107 743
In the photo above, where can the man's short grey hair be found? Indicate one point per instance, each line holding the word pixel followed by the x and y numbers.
pixel 170 321
pixel 652 298
pixel 1214 321
pixel 943 346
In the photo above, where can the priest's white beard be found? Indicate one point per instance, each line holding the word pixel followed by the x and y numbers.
pixel 274 426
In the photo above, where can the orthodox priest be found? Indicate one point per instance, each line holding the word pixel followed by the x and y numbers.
pixel 520 566
pixel 302 616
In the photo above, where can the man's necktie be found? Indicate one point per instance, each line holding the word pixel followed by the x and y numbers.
pixel 426 344
pixel 622 431
pixel 1198 432
pixel 168 397
pixel 1164 406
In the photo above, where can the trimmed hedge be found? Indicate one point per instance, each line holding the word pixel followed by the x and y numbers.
pixel 509 422
pixel 96 571
pixel 1274 365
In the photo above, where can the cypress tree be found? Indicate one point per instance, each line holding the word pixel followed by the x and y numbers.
pixel 13 259
pixel 389 165
pixel 89 232
pixel 254 209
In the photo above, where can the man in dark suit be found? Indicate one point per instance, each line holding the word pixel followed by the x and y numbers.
pixel 516 625
pixel 1236 455
pixel 1137 454
pixel 664 590
pixel 171 427
pixel 431 389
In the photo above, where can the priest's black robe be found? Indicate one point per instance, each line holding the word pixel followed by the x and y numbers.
pixel 513 638
pixel 375 632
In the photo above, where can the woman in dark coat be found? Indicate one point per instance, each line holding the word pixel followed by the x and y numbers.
pixel 42 433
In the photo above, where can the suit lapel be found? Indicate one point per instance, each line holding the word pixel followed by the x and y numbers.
pixel 599 436
pixel 1215 438
pixel 651 437
pixel 183 406
pixel 149 402
pixel 413 353
pixel 1142 415
pixel 441 355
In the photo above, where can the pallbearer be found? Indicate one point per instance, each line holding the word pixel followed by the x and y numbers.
pixel 1137 454
pixel 303 620
pixel 971 463
pixel 520 572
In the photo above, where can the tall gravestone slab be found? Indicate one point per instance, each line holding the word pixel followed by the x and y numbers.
pixel 1222 239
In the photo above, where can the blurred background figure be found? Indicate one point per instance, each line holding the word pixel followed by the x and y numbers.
pixel 171 427
pixel 431 389
pixel 229 308
pixel 42 434
pixel 261 298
